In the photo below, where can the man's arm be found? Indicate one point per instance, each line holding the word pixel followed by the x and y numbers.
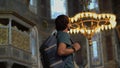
pixel 63 50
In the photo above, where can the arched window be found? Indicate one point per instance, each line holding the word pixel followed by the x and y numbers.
pixel 96 51
pixel 93 5
pixel 58 7
pixel 33 6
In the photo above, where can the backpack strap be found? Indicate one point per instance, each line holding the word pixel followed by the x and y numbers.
pixel 71 41
pixel 54 32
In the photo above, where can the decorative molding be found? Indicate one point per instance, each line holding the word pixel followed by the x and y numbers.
pixel 45 24
pixel 18 16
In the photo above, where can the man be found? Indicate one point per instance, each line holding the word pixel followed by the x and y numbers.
pixel 65 46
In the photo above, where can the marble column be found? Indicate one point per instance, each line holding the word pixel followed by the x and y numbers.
pixel 9 64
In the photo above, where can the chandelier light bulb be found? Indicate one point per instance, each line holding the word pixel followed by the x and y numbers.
pixel 74 31
pixel 109 26
pixel 106 27
pixel 82 31
pixel 70 31
pixel 77 30
pixel 103 16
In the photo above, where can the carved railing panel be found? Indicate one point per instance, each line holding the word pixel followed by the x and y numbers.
pixel 20 39
pixel 3 35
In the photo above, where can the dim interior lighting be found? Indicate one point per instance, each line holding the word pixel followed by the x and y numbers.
pixel 89 23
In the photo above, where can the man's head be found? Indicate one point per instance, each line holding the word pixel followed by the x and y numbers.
pixel 61 22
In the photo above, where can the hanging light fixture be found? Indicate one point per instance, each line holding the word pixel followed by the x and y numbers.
pixel 89 23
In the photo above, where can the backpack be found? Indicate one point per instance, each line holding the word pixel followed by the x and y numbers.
pixel 48 51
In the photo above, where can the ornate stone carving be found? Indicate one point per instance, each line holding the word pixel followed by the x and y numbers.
pixel 20 39
pixel 3 35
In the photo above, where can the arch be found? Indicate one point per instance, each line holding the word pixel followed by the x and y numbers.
pixel 93 5
pixel 55 4
pixel 33 6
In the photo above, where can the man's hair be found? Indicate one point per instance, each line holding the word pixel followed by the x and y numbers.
pixel 61 22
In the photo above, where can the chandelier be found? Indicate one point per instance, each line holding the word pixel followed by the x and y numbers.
pixel 90 23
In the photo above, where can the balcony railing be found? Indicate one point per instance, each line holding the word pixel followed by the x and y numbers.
pixel 20 39
pixel 14 44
